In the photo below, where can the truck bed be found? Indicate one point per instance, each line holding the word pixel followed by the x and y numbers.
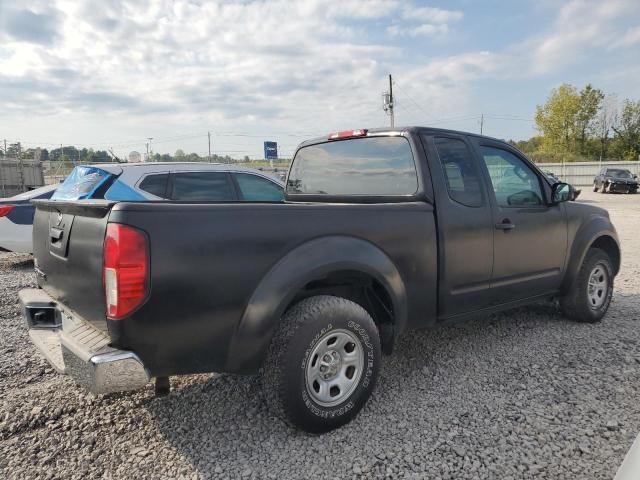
pixel 207 260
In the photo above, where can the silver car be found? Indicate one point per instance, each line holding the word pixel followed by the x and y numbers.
pixel 195 182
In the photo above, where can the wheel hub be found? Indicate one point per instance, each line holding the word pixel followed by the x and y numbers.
pixel 334 367
pixel 598 286
pixel 330 364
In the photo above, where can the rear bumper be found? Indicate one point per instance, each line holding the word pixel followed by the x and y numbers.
pixel 76 348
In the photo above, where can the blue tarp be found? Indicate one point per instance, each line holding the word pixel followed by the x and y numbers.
pixel 81 183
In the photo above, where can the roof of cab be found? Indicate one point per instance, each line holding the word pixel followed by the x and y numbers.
pixel 398 131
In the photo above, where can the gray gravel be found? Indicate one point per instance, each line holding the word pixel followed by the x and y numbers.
pixel 521 395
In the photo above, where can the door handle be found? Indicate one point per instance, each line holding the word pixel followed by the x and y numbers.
pixel 505 225
pixel 56 233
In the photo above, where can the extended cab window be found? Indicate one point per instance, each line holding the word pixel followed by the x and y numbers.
pixel 460 171
pixel 362 166
pixel 202 187
pixel 514 183
pixel 258 189
pixel 155 184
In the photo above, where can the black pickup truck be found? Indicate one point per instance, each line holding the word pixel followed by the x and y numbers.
pixel 382 231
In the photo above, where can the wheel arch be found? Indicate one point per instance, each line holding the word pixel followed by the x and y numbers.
pixel 334 265
pixel 598 233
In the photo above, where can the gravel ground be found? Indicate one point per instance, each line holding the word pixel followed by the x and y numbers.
pixel 525 394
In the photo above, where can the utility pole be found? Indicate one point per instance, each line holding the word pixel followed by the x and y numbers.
pixel 391 99
pixel 387 101
pixel 209 136
pixel 148 145
pixel 481 122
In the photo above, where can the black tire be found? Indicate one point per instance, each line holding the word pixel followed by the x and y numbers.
pixel 604 188
pixel 285 369
pixel 595 187
pixel 576 304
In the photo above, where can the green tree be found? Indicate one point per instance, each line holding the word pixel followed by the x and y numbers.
pixel 179 155
pixel 628 130
pixel 556 119
pixel 605 120
pixel 590 103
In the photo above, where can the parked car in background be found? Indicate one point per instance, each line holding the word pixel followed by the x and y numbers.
pixel 619 180
pixel 553 178
pixel 193 182
pixel 16 218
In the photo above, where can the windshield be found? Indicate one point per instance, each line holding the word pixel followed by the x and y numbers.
pixel 619 173
pixel 81 183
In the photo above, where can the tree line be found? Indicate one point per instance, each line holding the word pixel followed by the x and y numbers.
pixel 89 155
pixel 181 156
pixel 62 154
pixel 586 125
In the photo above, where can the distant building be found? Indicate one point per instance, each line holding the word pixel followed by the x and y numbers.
pixel 135 157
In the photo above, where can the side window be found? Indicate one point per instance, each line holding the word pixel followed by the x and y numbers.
pixel 460 171
pixel 514 183
pixel 202 187
pixel 155 184
pixel 258 189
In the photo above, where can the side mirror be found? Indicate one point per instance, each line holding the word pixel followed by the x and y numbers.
pixel 635 176
pixel 560 192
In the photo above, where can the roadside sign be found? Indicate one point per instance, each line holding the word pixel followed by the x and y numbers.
pixel 270 150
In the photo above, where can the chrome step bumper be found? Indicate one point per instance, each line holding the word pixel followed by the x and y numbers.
pixel 78 349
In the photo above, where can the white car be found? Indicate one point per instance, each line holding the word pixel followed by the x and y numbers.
pixel 16 218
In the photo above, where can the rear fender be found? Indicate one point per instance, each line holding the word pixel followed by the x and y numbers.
pixel 309 261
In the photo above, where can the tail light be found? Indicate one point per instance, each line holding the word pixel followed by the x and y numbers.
pixel 361 132
pixel 6 210
pixel 126 269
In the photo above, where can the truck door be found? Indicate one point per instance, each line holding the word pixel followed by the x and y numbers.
pixel 530 236
pixel 464 222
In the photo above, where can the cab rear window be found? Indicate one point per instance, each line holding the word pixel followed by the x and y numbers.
pixel 362 166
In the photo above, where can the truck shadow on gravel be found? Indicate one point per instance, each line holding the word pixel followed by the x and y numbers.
pixel 435 383
pixel 18 262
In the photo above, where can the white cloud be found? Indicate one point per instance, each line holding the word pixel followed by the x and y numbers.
pixel 580 27
pixel 116 68
pixel 431 15
pixel 424 21
pixel 630 38
pixel 426 29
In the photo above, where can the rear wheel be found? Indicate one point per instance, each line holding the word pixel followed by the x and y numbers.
pixel 322 364
pixel 595 187
pixel 590 294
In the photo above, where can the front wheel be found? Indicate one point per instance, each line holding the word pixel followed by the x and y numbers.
pixel 589 296
pixel 322 363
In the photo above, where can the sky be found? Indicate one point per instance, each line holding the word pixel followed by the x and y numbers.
pixel 110 73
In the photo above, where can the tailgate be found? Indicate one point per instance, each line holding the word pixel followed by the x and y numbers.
pixel 68 239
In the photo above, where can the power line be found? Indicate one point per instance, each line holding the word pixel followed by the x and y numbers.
pixel 412 99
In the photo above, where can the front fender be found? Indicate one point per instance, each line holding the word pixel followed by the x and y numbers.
pixel 307 262
pixel 589 232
